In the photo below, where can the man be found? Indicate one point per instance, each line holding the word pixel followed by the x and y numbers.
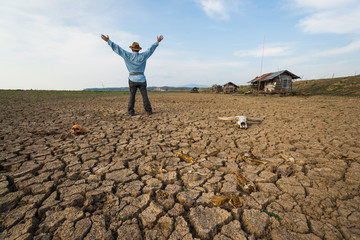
pixel 135 63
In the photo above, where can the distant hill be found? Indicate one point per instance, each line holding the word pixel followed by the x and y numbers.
pixel 331 86
pixel 122 89
pixel 164 88
pixel 192 85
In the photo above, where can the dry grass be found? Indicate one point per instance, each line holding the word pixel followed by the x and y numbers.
pixel 332 86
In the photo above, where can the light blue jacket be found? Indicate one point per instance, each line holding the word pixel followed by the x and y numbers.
pixel 135 62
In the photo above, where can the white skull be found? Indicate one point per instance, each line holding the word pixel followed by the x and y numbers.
pixel 242 121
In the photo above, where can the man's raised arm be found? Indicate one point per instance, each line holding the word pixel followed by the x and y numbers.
pixel 116 48
pixel 105 38
pixel 160 38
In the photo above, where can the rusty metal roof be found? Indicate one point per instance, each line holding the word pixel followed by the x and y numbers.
pixel 230 83
pixel 270 76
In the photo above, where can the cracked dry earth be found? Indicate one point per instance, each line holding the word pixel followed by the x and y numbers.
pixel 122 179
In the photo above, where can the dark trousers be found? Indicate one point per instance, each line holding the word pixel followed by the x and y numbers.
pixel 133 86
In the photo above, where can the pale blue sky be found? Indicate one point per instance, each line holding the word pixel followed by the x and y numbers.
pixel 56 44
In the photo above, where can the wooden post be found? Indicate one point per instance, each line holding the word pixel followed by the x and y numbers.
pixel 262 60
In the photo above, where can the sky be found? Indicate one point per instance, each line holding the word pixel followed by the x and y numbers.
pixel 56 44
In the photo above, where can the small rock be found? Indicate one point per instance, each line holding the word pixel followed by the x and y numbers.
pixel 296 222
pixel 162 230
pixel 193 179
pixel 52 166
pixel 168 178
pixel 121 176
pixel 132 188
pixel 255 221
pixel 82 227
pixel 292 186
pixel 188 198
pixel 129 232
pixel 16 215
pixel 229 188
pixel 207 220
pixel 150 214
pixel 10 200
pixel 141 201
pixel 283 234
pixel 233 230
pixel 177 210
pixel 205 199
pixel 269 188
pixel 222 237
pixel 181 230
pixel 27 167
pixel 268 176
pixel 98 229
pixel 173 189
pixel 23 230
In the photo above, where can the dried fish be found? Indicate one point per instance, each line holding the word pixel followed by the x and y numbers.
pixel 218 200
pixel 342 157
pixel 193 140
pixel 287 168
pixel 161 194
pixel 291 160
pixel 246 185
pixel 249 157
pixel 184 157
pixel 233 201
pixel 154 169
pixel 214 153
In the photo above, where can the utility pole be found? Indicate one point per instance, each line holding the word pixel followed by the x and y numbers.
pixel 262 60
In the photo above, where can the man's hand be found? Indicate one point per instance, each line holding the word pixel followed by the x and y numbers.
pixel 160 38
pixel 105 38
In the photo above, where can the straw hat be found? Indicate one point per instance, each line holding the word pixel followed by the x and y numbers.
pixel 135 46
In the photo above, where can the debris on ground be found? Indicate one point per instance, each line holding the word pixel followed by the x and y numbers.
pixel 161 194
pixel 233 201
pixel 290 159
pixel 185 157
pixel 213 153
pixel 286 168
pixel 249 157
pixel 246 185
pixel 77 130
pixel 154 169
pixel 241 120
pixel 271 214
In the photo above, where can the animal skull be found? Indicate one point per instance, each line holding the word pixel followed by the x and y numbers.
pixel 241 120
pixel 77 130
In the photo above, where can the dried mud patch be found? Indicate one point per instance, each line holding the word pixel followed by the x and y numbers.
pixel 123 178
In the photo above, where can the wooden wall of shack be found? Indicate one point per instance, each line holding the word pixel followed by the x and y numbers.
pixel 279 84
pixel 230 88
pixel 284 83
pixel 217 88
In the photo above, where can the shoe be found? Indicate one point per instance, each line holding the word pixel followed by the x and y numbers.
pixel 149 113
pixel 131 113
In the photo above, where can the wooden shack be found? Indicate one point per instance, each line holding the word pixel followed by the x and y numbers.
pixel 276 82
pixel 230 88
pixel 216 88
